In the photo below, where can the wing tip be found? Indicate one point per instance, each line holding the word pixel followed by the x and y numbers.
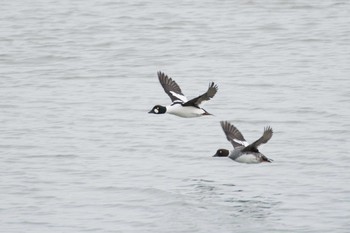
pixel 212 89
pixel 164 79
pixel 213 85
pixel 268 129
pixel 161 74
pixel 224 123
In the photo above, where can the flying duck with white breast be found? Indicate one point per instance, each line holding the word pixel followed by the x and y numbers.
pixel 243 152
pixel 180 105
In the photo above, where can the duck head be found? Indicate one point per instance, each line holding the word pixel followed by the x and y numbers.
pixel 158 109
pixel 222 153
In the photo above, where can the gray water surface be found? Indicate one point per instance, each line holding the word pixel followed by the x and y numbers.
pixel 79 153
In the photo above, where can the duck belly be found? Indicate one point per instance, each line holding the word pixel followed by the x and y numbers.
pixel 186 112
pixel 247 158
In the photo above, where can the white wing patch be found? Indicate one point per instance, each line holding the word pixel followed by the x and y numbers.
pixel 243 143
pixel 181 97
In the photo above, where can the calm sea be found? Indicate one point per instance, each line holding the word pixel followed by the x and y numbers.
pixel 79 153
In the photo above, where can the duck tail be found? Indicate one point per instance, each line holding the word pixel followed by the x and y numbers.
pixel 265 159
pixel 206 113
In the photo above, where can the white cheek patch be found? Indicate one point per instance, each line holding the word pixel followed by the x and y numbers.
pixel 156 110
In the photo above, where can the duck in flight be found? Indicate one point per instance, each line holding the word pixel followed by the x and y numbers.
pixel 180 105
pixel 243 152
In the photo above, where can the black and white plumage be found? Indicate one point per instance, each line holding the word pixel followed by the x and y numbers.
pixel 180 105
pixel 243 152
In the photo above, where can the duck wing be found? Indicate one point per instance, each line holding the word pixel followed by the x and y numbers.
pixel 233 135
pixel 171 88
pixel 262 140
pixel 213 88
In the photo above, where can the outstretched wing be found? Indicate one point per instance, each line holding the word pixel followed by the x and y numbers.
pixel 171 88
pixel 213 88
pixel 233 135
pixel 263 139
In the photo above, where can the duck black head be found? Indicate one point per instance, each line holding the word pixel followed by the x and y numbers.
pixel 158 109
pixel 222 153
